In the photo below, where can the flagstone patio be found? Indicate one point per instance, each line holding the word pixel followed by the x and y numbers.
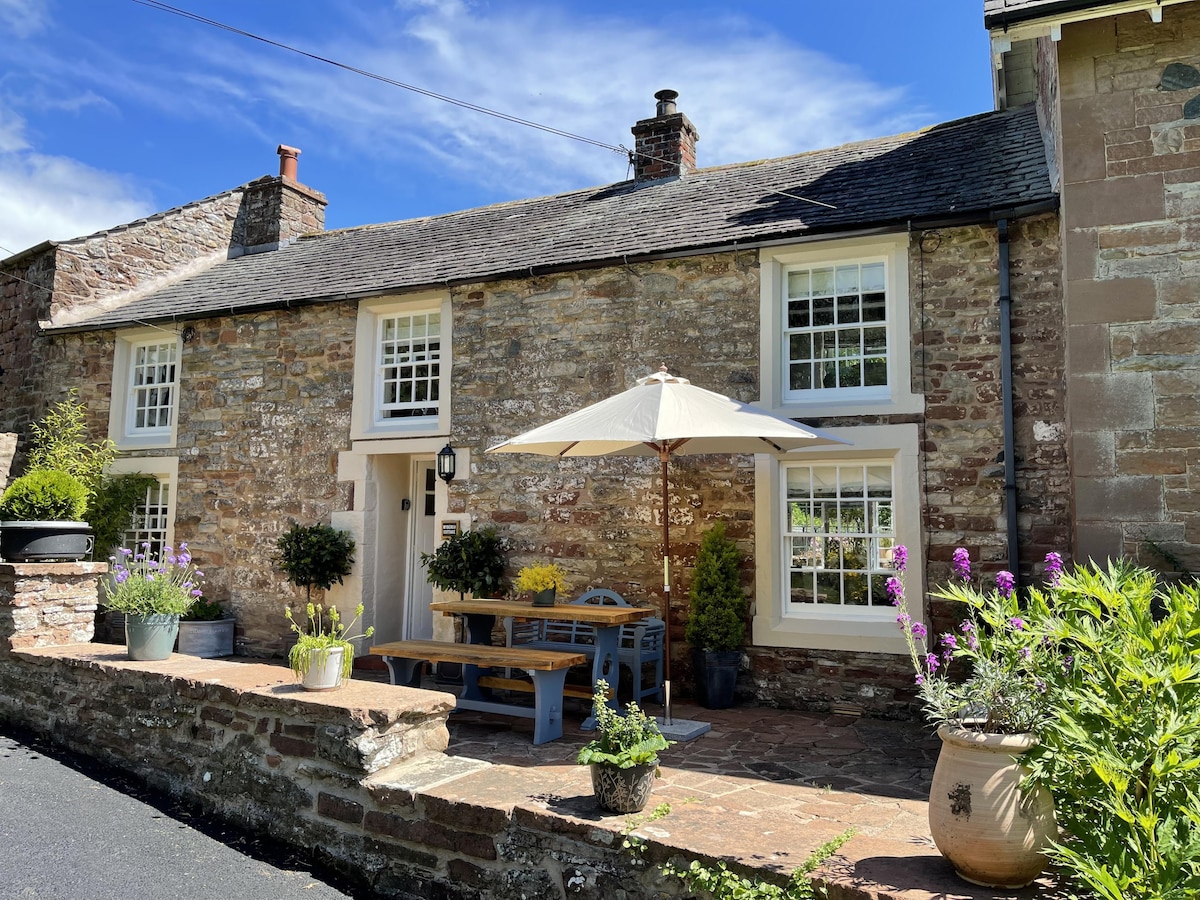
pixel 760 790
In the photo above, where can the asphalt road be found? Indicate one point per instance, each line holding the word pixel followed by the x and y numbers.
pixel 74 830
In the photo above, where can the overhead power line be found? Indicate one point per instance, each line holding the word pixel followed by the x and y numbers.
pixel 454 101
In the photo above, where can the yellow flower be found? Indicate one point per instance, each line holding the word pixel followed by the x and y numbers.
pixel 544 576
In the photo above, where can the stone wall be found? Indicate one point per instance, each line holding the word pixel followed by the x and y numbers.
pixel 356 777
pixel 265 407
pixel 1130 131
pixel 47 604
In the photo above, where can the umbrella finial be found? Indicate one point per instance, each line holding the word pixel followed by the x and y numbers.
pixel 662 376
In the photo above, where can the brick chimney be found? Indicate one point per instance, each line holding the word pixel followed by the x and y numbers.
pixel 278 210
pixel 665 146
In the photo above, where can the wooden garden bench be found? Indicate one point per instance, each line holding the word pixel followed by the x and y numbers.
pixel 547 670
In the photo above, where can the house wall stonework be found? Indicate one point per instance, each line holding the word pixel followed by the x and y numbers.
pixel 1131 220
pixel 266 397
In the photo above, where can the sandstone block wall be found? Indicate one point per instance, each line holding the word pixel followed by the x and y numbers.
pixel 47 604
pixel 1131 210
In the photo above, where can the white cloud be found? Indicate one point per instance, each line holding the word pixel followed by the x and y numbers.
pixel 751 93
pixel 52 197
pixel 21 18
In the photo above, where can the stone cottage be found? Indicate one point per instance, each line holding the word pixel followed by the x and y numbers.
pixel 995 312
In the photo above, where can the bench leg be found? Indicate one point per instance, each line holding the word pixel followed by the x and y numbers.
pixel 400 670
pixel 547 704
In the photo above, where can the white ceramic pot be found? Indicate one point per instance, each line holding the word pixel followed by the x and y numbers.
pixel 324 670
pixel 991 831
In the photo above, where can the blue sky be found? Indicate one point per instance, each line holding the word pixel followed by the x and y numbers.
pixel 110 110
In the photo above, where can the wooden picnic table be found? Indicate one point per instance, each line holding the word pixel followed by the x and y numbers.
pixel 481 614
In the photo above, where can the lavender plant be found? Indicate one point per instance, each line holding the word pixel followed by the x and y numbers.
pixel 142 584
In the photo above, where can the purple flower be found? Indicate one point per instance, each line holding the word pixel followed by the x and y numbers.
pixel 1054 568
pixel 967 626
pixel 904 618
pixel 1004 583
pixel 900 558
pixel 895 590
pixel 197 593
pixel 1016 623
pixel 1026 653
pixel 918 630
pixel 962 564
pixel 122 576
pixel 1041 686
pixel 947 655
pixel 931 660
pixel 125 551
pixel 920 679
pixel 950 641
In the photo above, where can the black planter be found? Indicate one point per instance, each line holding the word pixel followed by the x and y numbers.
pixel 45 541
pixel 716 677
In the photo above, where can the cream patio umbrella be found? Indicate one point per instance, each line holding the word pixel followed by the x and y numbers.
pixel 664 415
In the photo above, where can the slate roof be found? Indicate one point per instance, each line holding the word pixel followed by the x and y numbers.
pixel 961 170
pixel 998 13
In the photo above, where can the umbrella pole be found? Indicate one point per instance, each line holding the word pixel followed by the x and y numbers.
pixel 664 454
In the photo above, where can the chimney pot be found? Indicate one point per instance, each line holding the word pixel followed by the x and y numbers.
pixel 664 146
pixel 287 161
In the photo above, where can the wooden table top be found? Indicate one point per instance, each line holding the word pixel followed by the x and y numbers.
pixel 562 612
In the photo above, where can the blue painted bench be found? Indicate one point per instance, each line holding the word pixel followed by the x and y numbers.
pixel 640 643
pixel 547 671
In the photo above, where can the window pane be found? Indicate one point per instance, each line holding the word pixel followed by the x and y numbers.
pixel 873 278
pixel 800 346
pixel 844 536
pixel 409 365
pixel 822 282
pixel 798 284
pixel 847 297
pixel 847 281
pixel 801 377
pixel 798 314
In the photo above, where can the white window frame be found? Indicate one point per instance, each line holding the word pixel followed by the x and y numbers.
pixel 780 623
pixel 122 424
pixel 166 470
pixel 366 420
pixel 897 395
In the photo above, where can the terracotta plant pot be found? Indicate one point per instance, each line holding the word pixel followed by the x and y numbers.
pixel 623 790
pixel 990 831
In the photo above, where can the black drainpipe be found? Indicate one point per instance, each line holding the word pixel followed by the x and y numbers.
pixel 1006 387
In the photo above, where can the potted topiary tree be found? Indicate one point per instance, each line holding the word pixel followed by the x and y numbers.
pixel 318 556
pixel 471 562
pixel 716 624
pixel 41 518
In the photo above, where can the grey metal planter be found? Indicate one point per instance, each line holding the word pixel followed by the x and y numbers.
pixel 45 541
pixel 206 639
pixel 623 790
pixel 150 637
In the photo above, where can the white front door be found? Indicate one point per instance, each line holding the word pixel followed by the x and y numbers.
pixel 418 619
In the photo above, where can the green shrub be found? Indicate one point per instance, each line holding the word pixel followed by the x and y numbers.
pixel 1121 750
pixel 471 562
pixel 111 509
pixel 717 621
pixel 59 443
pixel 44 496
pixel 315 556
pixel 204 611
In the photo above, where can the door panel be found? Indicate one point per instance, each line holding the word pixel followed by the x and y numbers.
pixel 418 619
